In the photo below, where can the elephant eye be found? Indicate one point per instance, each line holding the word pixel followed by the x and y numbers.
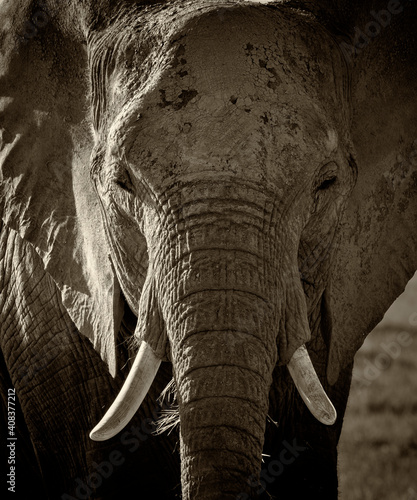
pixel 326 177
pixel 327 183
pixel 122 179
pixel 325 180
pixel 125 185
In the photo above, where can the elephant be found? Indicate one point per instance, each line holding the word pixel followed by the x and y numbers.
pixel 206 206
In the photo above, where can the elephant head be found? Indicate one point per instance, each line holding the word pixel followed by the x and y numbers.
pixel 228 185
pixel 220 187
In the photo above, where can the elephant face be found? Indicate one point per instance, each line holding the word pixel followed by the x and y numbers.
pixel 188 138
pixel 246 190
pixel 230 171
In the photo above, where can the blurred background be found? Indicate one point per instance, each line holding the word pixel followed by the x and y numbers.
pixel 378 446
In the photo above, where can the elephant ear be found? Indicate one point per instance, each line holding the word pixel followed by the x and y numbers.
pixel 378 246
pixel 46 194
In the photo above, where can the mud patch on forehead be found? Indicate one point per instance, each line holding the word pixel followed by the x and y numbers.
pixel 180 101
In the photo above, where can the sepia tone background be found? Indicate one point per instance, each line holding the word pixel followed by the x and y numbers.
pixel 378 447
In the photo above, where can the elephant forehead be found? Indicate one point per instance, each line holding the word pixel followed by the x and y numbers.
pixel 247 62
pixel 234 90
pixel 230 131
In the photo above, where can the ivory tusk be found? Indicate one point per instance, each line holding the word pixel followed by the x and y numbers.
pixel 308 385
pixel 131 395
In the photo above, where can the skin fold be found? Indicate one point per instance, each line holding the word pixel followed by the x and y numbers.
pixel 225 181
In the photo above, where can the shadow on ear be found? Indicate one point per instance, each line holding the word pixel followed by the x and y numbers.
pixel 378 250
pixel 46 194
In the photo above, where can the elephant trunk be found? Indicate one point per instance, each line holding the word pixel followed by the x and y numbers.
pixel 223 372
pixel 221 306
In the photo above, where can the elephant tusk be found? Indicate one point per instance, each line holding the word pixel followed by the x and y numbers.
pixel 131 395
pixel 309 387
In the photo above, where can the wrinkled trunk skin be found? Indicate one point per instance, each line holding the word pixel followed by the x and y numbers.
pixel 221 307
pixel 222 433
pixel 223 375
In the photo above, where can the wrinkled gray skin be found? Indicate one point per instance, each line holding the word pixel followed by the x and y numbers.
pixel 229 178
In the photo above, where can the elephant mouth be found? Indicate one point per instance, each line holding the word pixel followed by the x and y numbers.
pixel 146 366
